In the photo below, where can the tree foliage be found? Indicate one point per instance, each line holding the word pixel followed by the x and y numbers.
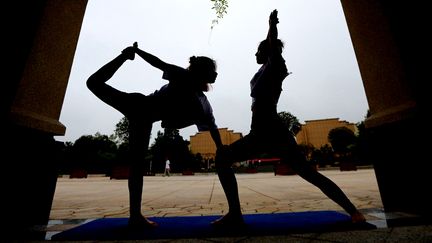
pixel 323 156
pixel 171 145
pixel 220 6
pixel 94 153
pixel 121 131
pixel 290 121
pixel 341 138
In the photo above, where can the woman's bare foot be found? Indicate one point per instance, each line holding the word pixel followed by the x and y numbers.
pixel 230 219
pixel 357 217
pixel 140 222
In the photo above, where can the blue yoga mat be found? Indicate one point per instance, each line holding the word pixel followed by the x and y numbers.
pixel 200 227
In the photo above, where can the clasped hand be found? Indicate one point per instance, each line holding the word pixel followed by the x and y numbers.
pixel 273 19
pixel 129 52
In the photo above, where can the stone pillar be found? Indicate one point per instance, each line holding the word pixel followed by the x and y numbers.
pixel 387 42
pixel 39 55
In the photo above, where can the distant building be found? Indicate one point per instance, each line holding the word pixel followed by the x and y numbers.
pixel 315 132
pixel 202 142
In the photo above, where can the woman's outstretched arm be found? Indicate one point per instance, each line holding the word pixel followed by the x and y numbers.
pixel 151 59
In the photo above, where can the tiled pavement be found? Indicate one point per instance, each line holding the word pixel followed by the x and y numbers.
pixel 77 201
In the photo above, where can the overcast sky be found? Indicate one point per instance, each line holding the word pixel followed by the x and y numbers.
pixel 325 83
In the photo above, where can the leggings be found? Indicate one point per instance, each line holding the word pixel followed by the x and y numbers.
pixel 277 141
pixel 141 112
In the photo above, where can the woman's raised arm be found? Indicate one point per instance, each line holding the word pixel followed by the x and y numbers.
pixel 151 59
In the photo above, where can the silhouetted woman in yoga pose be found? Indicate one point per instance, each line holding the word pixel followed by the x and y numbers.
pixel 178 104
pixel 269 134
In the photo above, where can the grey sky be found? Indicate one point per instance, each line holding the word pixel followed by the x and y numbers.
pixel 325 83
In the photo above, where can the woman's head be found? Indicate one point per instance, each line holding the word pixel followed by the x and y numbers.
pixel 204 70
pixel 263 51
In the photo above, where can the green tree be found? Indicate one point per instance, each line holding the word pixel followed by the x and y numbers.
pixel 341 138
pixel 323 156
pixel 220 6
pixel 94 153
pixel 66 157
pixel 157 152
pixel 121 137
pixel 307 151
pixel 290 121
pixel 121 131
pixel 171 145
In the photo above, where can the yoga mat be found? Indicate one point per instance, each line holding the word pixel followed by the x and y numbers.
pixel 200 227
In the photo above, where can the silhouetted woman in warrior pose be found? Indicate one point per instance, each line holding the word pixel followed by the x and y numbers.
pixel 269 134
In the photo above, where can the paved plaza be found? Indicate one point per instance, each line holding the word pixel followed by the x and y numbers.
pixel 201 194
pixel 77 201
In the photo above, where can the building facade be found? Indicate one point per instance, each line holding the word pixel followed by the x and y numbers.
pixel 202 142
pixel 315 132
